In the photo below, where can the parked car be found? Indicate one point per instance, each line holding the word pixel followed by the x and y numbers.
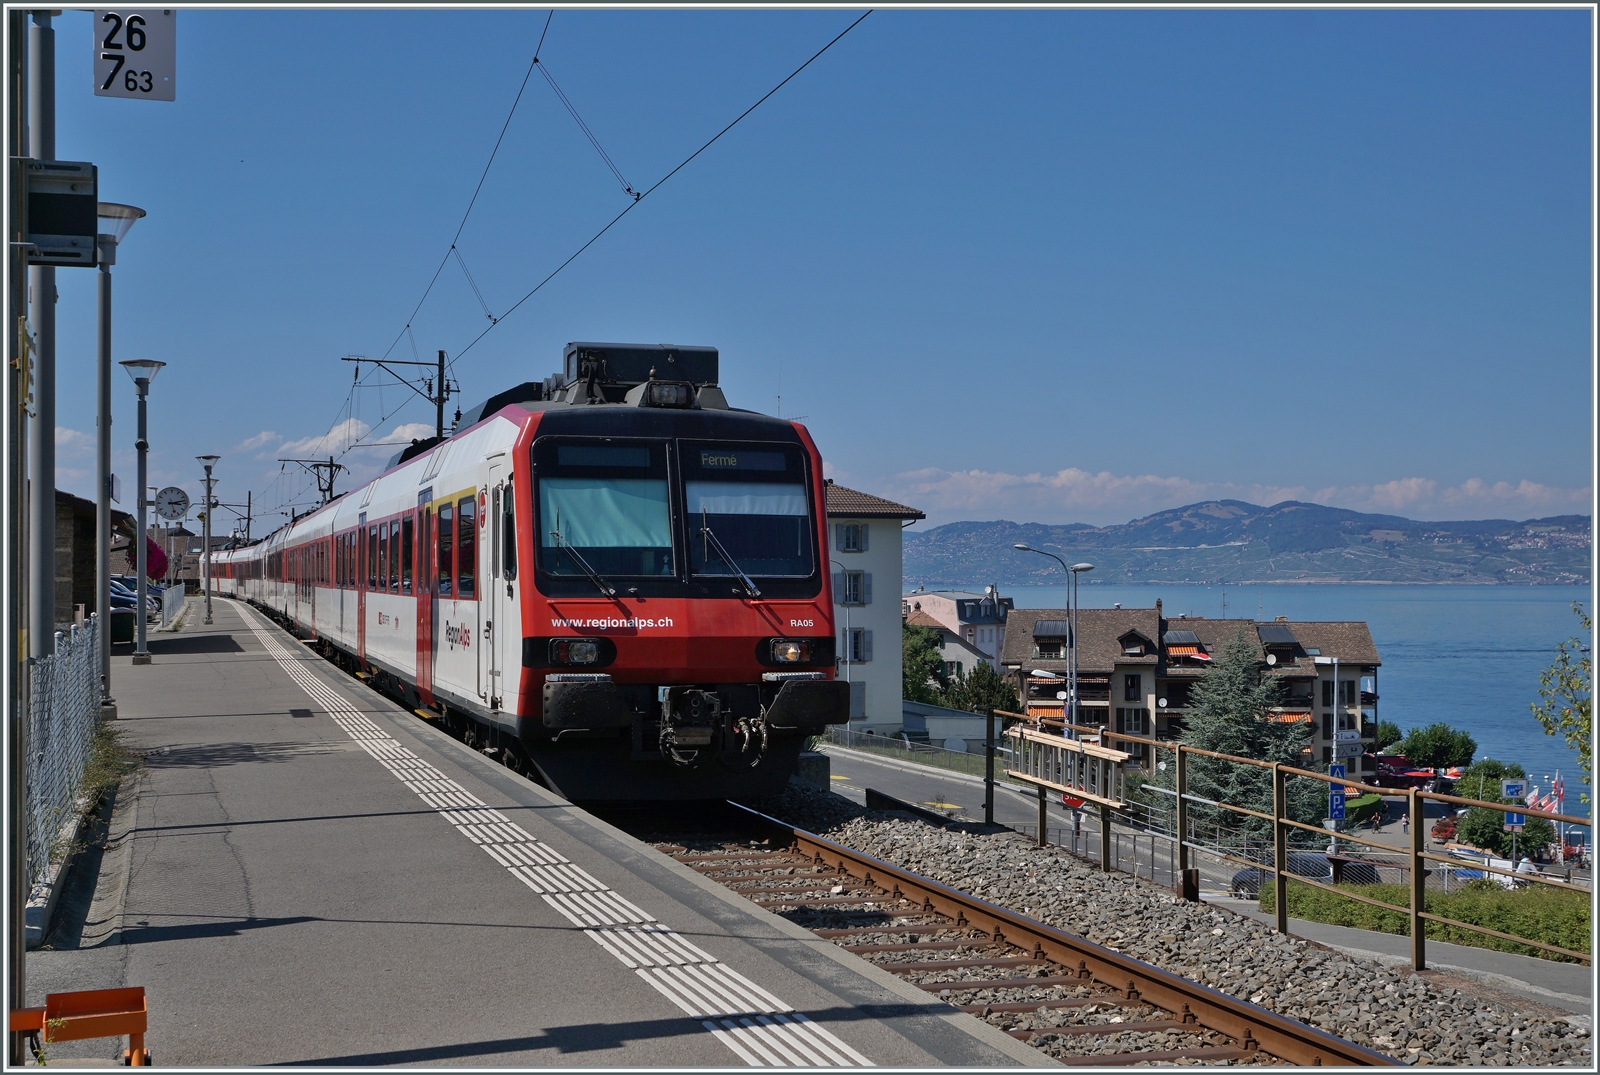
pixel 1246 884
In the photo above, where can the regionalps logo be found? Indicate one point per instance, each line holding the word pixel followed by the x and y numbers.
pixel 457 635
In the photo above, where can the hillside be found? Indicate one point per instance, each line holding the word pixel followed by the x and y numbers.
pixel 1230 541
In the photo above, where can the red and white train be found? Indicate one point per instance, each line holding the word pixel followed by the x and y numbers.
pixel 611 577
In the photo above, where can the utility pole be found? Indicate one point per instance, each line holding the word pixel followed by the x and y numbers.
pixel 247 510
pixel 435 391
pixel 325 473
pixel 42 299
pixel 208 461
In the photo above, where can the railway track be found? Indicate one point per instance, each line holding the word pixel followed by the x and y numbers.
pixel 1083 1004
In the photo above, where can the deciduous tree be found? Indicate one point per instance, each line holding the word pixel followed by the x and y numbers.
pixel 921 669
pixel 980 690
pixel 1438 746
pixel 1566 692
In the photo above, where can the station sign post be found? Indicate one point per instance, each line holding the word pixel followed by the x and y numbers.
pixel 1512 791
pixel 136 53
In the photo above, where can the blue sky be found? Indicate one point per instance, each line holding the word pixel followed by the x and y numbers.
pixel 1039 265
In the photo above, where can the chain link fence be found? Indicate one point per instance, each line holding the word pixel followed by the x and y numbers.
pixel 64 707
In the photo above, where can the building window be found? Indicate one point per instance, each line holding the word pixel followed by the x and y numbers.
pixel 1327 755
pixel 1132 721
pixel 1327 692
pixel 1133 688
pixel 858 645
pixel 1347 692
pixel 1327 725
pixel 855 588
pixel 1050 651
pixel 952 669
pixel 850 537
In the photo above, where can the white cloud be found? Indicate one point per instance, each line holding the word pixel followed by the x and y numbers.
pixel 1074 495
pixel 251 444
pixel 71 442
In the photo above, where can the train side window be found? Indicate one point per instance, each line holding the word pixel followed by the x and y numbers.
pixel 405 555
pixel 447 563
pixel 394 556
pixel 383 557
pixel 467 546
pixel 508 535
pixel 372 558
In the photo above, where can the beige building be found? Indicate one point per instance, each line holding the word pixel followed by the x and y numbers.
pixel 864 554
pixel 976 619
pixel 1137 669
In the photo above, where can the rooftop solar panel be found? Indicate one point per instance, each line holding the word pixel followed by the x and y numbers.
pixel 1050 629
pixel 1275 634
pixel 1181 638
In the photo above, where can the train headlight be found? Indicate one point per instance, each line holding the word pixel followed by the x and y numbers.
pixel 791 650
pixel 574 651
pixel 668 395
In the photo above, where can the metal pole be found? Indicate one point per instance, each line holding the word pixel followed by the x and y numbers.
pixel 141 655
pixel 1419 878
pixel 102 465
pixel 438 401
pixel 1182 819
pixel 1105 838
pixel 1072 655
pixel 988 772
pixel 1280 849
pixel 13 629
pixel 1044 817
pixel 42 430
pixel 206 548
pixel 247 510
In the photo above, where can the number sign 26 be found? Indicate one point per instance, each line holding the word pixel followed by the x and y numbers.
pixel 135 54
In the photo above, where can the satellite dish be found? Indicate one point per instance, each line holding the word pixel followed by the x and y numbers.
pixel 1272 658
pixel 1161 703
pixel 1061 695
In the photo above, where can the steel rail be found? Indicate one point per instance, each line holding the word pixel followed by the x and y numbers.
pixel 1285 1038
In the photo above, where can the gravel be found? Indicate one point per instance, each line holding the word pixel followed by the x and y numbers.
pixel 1383 1007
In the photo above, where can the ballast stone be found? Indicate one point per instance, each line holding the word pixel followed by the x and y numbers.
pixel 1398 1013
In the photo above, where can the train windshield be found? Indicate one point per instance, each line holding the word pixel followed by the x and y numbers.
pixel 748 511
pixel 604 509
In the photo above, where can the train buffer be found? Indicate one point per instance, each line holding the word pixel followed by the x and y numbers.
pixel 89 1013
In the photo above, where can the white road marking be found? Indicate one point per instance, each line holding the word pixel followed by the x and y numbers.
pixel 755 1025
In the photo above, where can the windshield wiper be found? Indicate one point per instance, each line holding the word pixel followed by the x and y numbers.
pixel 705 531
pixel 594 576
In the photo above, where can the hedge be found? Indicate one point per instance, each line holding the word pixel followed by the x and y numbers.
pixel 1537 913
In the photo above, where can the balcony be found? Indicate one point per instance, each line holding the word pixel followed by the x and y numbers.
pixel 1296 701
pixel 1369 697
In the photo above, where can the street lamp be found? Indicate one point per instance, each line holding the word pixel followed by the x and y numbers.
pixel 207 461
pixel 143 371
pixel 1072 630
pixel 114 221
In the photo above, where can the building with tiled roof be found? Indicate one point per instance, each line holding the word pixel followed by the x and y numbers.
pixel 979 619
pixel 864 557
pixel 1137 668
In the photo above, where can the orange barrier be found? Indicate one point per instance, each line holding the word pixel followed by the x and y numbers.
pixel 90 1013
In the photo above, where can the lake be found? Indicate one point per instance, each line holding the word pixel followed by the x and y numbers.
pixel 1469 656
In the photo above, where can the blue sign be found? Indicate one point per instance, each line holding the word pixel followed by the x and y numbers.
pixel 1336 794
pixel 1513 791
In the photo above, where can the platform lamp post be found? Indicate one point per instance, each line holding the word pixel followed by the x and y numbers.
pixel 207 461
pixel 114 221
pixel 143 371
pixel 1072 629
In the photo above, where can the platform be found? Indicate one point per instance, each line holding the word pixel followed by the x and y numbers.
pixel 307 873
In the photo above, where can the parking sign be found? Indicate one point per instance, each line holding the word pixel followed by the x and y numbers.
pixel 1513 791
pixel 1336 794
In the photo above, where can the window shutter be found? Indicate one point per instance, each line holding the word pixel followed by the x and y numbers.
pixel 838 537
pixel 1327 725
pixel 866 581
pixel 866 646
pixel 863 537
pixel 838 587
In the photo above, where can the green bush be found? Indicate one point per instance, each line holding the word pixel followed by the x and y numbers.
pixel 1537 913
pixel 1361 808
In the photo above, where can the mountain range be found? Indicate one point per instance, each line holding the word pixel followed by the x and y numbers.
pixel 1231 542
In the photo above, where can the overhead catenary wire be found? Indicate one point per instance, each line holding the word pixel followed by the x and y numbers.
pixel 544 69
pixel 473 201
pixel 654 187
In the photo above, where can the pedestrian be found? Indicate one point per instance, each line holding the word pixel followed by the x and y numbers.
pixel 1405 823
